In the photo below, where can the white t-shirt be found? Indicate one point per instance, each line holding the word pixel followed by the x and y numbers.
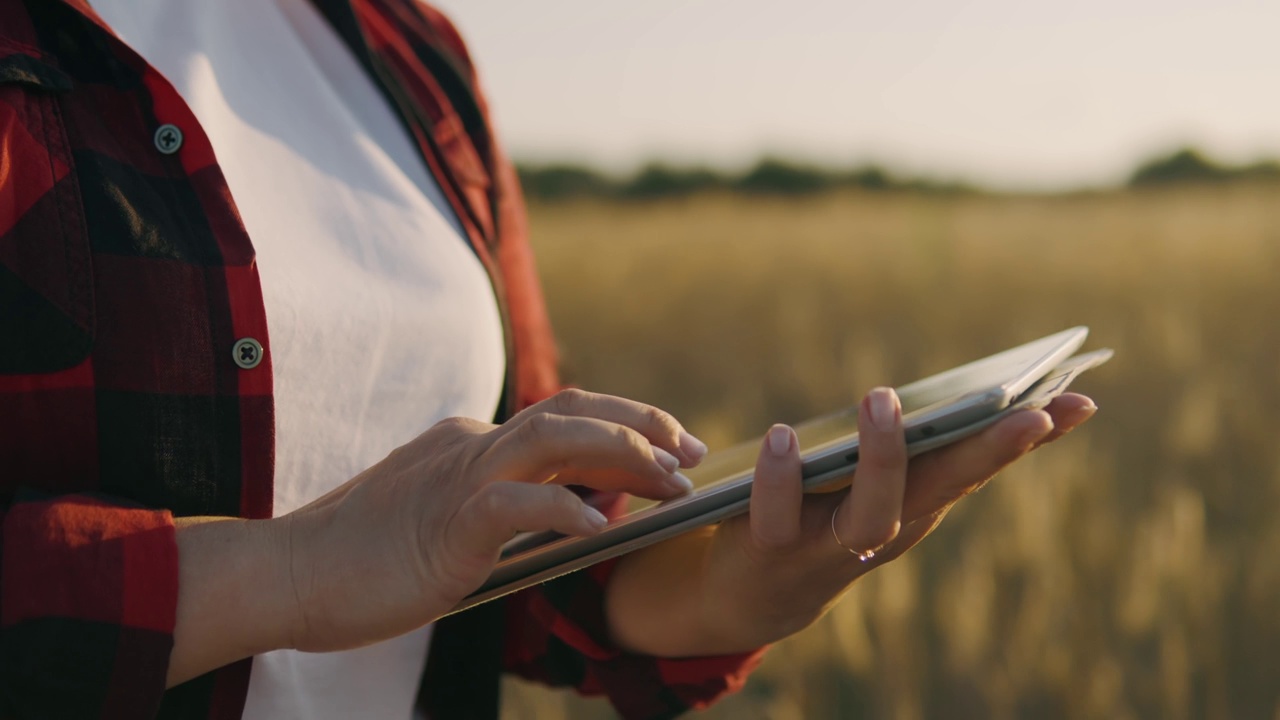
pixel 382 320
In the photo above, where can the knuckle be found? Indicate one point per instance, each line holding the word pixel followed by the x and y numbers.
pixel 452 423
pixel 627 439
pixel 660 418
pixel 456 425
pixel 871 534
pixel 538 428
pixel 571 401
pixel 882 534
pixel 448 434
pixel 399 454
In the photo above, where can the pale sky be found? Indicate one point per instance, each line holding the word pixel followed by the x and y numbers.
pixel 1006 92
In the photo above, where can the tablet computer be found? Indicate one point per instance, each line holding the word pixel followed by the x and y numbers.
pixel 936 411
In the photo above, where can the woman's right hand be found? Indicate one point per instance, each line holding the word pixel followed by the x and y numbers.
pixel 403 542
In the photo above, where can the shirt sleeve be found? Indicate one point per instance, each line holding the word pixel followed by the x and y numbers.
pixel 88 601
pixel 557 635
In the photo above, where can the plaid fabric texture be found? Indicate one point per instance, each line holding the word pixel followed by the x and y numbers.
pixel 126 280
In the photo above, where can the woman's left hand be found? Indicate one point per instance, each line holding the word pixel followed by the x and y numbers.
pixel 765 575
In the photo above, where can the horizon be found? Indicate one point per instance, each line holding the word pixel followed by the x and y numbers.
pixel 992 92
pixel 1229 171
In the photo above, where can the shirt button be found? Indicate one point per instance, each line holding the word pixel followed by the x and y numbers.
pixel 168 139
pixel 247 353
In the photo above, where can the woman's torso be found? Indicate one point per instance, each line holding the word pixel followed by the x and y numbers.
pixel 382 319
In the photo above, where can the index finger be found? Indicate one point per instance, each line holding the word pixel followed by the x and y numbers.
pixel 943 476
pixel 547 445
pixel 657 426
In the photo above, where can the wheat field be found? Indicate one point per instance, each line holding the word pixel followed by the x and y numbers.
pixel 1131 570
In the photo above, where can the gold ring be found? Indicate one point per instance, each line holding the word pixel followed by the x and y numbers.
pixel 862 555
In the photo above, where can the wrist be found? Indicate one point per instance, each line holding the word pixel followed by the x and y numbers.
pixel 301 533
pixel 235 597
pixel 250 558
pixel 274 537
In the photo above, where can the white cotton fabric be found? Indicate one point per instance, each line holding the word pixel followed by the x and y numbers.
pixel 382 320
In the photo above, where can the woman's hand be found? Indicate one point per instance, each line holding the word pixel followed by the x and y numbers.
pixel 767 574
pixel 406 540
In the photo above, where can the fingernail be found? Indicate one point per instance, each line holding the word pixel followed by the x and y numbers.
pixel 1081 416
pixel 883 403
pixel 780 440
pixel 665 459
pixel 595 518
pixel 692 447
pixel 679 484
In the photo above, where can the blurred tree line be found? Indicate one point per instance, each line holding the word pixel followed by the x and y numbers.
pixel 769 176
pixel 780 177
pixel 1189 165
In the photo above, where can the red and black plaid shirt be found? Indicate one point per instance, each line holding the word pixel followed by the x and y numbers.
pixel 126 280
